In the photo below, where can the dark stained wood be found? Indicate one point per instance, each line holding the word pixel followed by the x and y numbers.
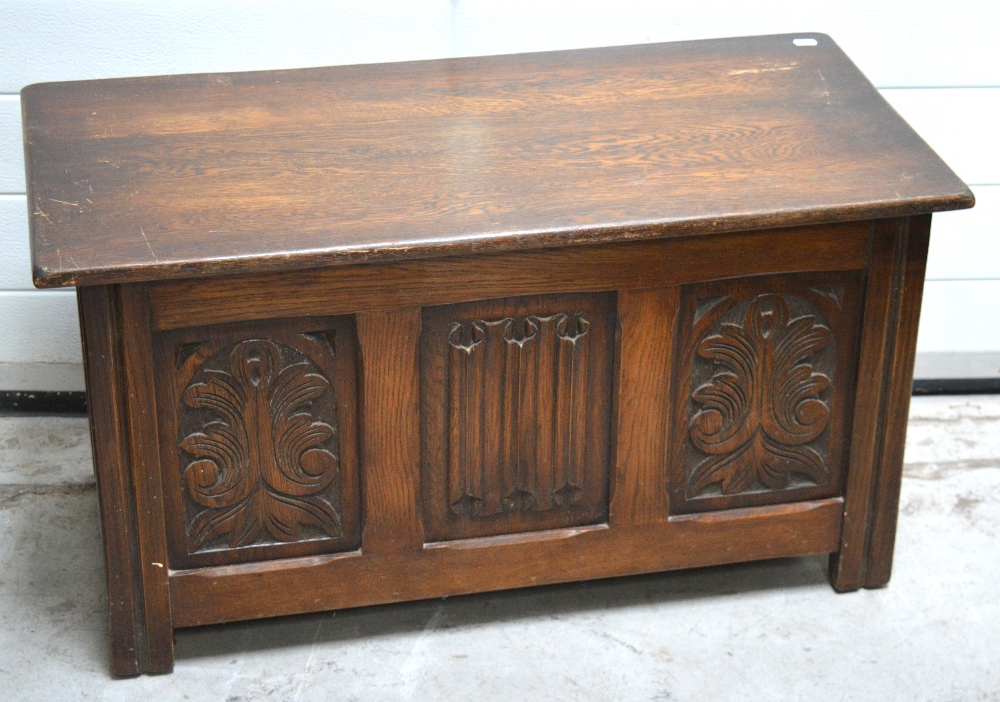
pixel 259 440
pixel 247 591
pixel 765 371
pixel 847 566
pixel 647 320
pixel 516 412
pixel 106 405
pixel 376 333
pixel 181 176
pixel 899 378
pixel 636 265
pixel 884 379
pixel 389 345
pixel 140 394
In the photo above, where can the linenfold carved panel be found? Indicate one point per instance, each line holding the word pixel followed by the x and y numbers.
pixel 768 364
pixel 517 432
pixel 264 466
pixel 489 363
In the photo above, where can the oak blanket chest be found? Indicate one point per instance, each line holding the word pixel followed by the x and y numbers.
pixel 375 333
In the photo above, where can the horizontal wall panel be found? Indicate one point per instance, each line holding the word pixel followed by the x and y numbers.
pixel 11 143
pixel 965 244
pixel 960 315
pixel 959 124
pixel 43 377
pixel 957 365
pixel 45 40
pixel 39 327
pixel 15 257
pixel 957 316
pixel 897 43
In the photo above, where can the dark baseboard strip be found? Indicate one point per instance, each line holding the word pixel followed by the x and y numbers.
pixel 52 402
pixel 956 386
pixel 47 402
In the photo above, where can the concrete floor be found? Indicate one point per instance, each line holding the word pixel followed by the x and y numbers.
pixel 765 631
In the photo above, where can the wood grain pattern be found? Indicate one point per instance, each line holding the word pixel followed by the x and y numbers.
pixel 662 330
pixel 179 176
pixel 888 349
pixel 142 427
pixel 647 321
pixel 389 345
pixel 847 566
pixel 885 506
pixel 756 419
pixel 630 265
pixel 256 468
pixel 248 591
pixel 767 375
pixel 378 333
pixel 103 363
pixel 516 413
pixel 259 440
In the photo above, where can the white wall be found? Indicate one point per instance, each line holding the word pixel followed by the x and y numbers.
pixel 937 63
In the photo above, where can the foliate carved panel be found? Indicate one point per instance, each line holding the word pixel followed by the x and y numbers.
pixel 262 459
pixel 757 418
pixel 263 439
pixel 516 414
pixel 767 368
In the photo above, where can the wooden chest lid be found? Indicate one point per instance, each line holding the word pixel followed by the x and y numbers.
pixel 174 176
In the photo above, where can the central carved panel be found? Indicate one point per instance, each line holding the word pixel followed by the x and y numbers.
pixel 516 375
pixel 517 431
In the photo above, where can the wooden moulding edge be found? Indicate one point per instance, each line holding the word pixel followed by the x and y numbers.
pixel 454 279
pixel 354 579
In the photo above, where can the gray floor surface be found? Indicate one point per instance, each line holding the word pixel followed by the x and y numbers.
pixel 765 631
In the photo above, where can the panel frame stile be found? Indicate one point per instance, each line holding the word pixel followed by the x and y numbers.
pixel 646 331
pixel 885 376
pixel 121 396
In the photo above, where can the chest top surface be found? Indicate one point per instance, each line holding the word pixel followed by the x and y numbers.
pixel 173 176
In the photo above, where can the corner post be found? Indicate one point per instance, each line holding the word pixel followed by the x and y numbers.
pixel 138 601
pixel 885 379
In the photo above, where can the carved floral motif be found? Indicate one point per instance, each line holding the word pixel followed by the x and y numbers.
pixel 756 418
pixel 262 462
